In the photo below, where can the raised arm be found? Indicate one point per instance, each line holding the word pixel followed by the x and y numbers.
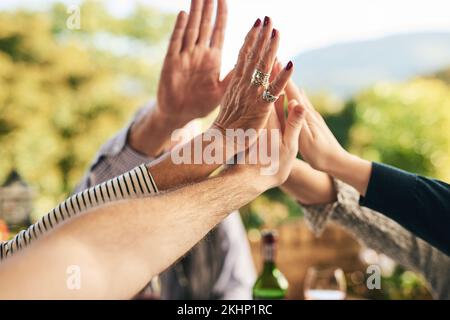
pixel 420 204
pixel 189 86
pixel 307 185
pixel 242 108
pixel 118 247
pixel 251 113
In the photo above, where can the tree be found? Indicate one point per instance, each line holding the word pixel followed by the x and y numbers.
pixel 405 125
pixel 64 93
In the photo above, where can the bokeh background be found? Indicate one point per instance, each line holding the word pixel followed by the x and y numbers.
pixel 378 71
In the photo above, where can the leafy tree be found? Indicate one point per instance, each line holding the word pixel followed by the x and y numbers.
pixel 64 92
pixel 405 125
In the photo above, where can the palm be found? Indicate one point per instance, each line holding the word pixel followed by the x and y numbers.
pixel 190 85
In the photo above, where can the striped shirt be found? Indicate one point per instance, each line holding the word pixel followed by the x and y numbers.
pixel 132 184
pixel 220 267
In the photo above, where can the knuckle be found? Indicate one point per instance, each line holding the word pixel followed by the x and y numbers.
pixel 262 65
pixel 243 53
pixel 250 56
pixel 274 88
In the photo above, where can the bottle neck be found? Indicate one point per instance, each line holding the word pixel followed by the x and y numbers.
pixel 269 256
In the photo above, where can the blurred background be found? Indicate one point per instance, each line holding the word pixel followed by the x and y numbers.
pixel 378 71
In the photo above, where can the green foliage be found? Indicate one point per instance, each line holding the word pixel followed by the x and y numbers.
pixel 405 125
pixel 62 96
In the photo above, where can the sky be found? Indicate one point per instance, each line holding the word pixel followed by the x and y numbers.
pixel 305 25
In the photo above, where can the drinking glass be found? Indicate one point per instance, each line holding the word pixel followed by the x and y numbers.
pixel 325 284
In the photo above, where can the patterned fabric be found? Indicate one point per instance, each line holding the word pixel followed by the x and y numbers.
pixel 384 235
pixel 133 184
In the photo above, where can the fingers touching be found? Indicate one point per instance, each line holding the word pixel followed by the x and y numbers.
pixel 279 110
pixel 279 83
pixel 294 124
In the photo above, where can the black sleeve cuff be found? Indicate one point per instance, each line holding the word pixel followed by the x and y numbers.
pixel 388 190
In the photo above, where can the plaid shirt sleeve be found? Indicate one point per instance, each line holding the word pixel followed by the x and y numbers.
pixel 115 156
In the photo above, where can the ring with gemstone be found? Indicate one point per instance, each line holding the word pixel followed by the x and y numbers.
pixel 260 78
pixel 268 97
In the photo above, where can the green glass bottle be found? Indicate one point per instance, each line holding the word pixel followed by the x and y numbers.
pixel 271 283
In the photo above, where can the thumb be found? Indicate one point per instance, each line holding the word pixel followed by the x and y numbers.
pixel 292 91
pixel 294 124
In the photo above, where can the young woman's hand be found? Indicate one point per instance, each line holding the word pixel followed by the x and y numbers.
pixel 322 151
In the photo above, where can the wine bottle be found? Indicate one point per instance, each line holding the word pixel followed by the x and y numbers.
pixel 271 283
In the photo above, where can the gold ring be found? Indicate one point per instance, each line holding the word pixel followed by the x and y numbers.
pixel 260 78
pixel 269 97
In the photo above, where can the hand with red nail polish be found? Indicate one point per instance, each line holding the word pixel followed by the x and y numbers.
pixel 243 106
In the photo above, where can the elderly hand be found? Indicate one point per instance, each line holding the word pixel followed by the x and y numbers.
pixel 190 86
pixel 243 105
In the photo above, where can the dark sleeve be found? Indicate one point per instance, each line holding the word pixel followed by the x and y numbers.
pixel 420 204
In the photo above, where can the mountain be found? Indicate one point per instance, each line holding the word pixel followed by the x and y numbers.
pixel 346 68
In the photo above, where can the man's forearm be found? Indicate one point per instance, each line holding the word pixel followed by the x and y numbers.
pixel 128 241
pixel 309 186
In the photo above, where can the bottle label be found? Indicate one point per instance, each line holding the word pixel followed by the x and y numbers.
pixel 269 252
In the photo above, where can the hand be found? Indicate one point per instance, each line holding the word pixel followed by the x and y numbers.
pixel 317 145
pixel 322 151
pixel 190 86
pixel 282 151
pixel 243 106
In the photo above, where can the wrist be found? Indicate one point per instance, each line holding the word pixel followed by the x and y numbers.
pixel 165 120
pixel 252 177
pixel 352 170
pixel 151 134
pixel 337 163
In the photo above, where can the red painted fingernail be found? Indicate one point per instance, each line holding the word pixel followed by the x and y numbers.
pixel 266 20
pixel 274 33
pixel 289 65
pixel 257 23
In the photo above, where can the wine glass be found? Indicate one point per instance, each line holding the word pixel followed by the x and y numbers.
pixel 325 284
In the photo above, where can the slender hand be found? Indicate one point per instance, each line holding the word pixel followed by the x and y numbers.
pixel 307 185
pixel 190 85
pixel 322 151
